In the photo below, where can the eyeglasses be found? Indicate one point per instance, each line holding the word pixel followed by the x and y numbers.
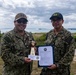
pixel 22 20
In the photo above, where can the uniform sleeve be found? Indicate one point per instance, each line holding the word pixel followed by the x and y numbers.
pixel 68 57
pixel 47 39
pixel 6 53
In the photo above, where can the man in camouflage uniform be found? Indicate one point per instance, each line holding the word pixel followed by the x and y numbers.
pixel 64 46
pixel 15 48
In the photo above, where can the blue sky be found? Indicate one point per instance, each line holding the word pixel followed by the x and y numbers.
pixel 38 12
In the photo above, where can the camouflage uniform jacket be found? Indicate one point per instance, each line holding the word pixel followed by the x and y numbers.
pixel 13 49
pixel 64 46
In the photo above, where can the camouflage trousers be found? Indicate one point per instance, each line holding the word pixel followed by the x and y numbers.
pixel 16 71
pixel 64 71
pixel 16 74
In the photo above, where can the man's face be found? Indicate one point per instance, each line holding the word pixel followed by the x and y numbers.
pixel 20 24
pixel 57 23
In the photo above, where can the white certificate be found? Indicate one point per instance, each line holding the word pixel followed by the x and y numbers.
pixel 34 57
pixel 46 55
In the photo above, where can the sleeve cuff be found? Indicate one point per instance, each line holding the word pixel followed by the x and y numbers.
pixel 57 65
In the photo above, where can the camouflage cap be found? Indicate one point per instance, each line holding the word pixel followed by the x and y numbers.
pixel 56 15
pixel 20 15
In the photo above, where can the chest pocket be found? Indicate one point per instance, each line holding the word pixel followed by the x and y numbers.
pixel 20 46
pixel 66 43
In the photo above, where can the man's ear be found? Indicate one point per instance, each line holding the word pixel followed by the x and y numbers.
pixel 14 21
pixel 51 20
pixel 62 21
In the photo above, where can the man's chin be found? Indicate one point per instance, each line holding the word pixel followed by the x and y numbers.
pixel 56 26
pixel 20 30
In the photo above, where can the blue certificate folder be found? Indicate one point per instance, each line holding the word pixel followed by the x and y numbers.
pixel 46 56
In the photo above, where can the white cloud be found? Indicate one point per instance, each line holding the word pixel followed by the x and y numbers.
pixel 71 16
pixel 17 3
pixel 38 12
pixel 70 25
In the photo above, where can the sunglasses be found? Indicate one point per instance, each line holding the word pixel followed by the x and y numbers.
pixel 22 20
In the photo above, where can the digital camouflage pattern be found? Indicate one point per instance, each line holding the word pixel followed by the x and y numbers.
pixel 64 46
pixel 13 50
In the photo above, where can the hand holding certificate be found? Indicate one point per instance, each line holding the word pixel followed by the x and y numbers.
pixel 46 55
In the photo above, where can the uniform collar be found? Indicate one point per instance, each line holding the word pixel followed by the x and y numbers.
pixel 61 31
pixel 20 36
